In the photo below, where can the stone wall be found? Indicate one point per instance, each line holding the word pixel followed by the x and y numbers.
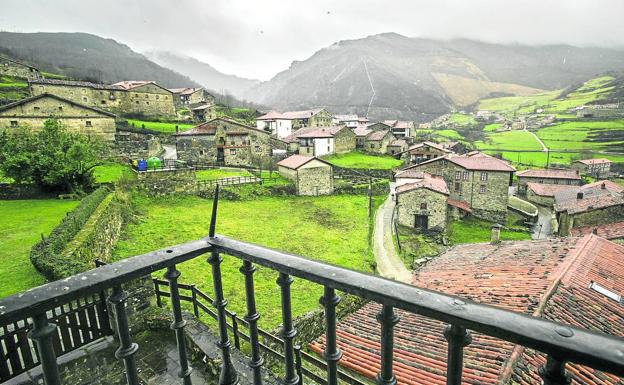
pixel 315 180
pixel 599 216
pixel 344 141
pixel 538 199
pixel 74 118
pixel 11 68
pixel 164 182
pixel 136 145
pixel 148 100
pixel 410 204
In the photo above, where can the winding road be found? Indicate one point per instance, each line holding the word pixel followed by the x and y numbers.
pixel 389 263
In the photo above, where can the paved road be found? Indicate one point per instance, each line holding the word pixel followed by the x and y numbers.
pixel 543 227
pixel 170 151
pixel 389 264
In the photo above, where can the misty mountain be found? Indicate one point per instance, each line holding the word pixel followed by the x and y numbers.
pixel 87 57
pixel 203 73
pixel 390 75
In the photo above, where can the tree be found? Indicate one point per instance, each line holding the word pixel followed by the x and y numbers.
pixel 53 159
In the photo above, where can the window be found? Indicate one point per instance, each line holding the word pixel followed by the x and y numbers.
pixel 232 151
pixel 201 152
pixel 102 101
pixel 88 123
pixel 146 96
pixel 36 109
pixel 84 99
pixel 466 175
pixel 14 123
pixel 444 163
pixel 147 103
pixel 423 206
pixel 484 176
pixel 458 187
pixel 604 291
pixel 457 175
pixel 137 102
pixel 61 108
pixel 482 189
pixel 556 181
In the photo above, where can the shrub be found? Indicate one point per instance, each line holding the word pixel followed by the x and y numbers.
pixel 249 191
pixel 46 255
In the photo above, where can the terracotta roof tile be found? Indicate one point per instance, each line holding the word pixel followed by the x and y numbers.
pixel 290 114
pixel 607 230
pixel 377 135
pixel 428 181
pixel 549 190
pixel 473 161
pixel 595 195
pixel 296 161
pixel 314 132
pixel 429 144
pixel 130 84
pixel 459 204
pixel 594 161
pixel 550 174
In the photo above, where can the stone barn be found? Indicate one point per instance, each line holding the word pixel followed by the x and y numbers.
pixel 312 176
pixel 423 204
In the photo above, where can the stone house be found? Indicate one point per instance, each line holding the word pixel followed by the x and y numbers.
pixel 203 112
pixel 134 98
pixel 319 141
pixel 550 176
pixel 592 204
pixel 32 112
pixel 478 179
pixel 378 141
pixel 422 204
pixel 424 151
pixel 597 168
pixel 361 131
pixel 283 124
pixel 401 128
pixel 14 68
pixel 187 97
pixel 350 121
pixel 544 194
pixel 311 176
pixel 224 141
pixel 396 147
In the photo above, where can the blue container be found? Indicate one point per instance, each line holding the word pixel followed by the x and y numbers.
pixel 142 165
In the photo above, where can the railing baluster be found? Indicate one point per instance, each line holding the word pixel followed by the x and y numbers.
pixel 235 330
pixel 457 338
pixel 332 354
pixel 387 319
pixel 178 324
pixel 127 348
pixel 288 333
pixel 42 333
pixel 228 373
pixel 298 364
pixel 252 317
pixel 553 372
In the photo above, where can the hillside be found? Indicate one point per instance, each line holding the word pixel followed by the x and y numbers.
pixel 203 73
pixel 87 57
pixel 393 75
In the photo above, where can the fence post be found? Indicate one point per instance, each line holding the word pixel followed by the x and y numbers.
pixel 194 296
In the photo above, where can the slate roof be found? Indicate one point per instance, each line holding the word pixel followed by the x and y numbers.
pixel 346 118
pixel 130 84
pixel 296 161
pixel 549 190
pixel 362 130
pixel 517 275
pixel 606 230
pixel 74 83
pixel 429 144
pixel 475 160
pixel 398 143
pixel 400 124
pixel 428 181
pixel 46 95
pixel 594 161
pixel 550 174
pixel 376 136
pixel 184 91
pixel 290 114
pixel 210 128
pixel 313 132
pixel 409 173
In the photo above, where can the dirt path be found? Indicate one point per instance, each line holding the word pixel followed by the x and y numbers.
pixel 389 264
pixel 544 148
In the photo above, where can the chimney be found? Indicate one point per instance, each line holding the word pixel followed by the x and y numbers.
pixel 603 186
pixel 579 195
pixel 495 238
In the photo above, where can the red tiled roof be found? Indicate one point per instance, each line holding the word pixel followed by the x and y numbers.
pixel 314 132
pixel 184 91
pixel 289 114
pixel 401 124
pixel 210 127
pixel 271 115
pixel 430 182
pixel 429 144
pixel 596 195
pixel 473 161
pixel 296 161
pixel 362 130
pixel 550 174
pixel 377 135
pixel 606 230
pixel 594 161
pixel 130 84
pixel 549 190
pixel 519 276
pixel 609 185
pixel 460 205
pixel 409 173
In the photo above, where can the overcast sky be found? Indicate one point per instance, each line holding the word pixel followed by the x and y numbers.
pixel 258 38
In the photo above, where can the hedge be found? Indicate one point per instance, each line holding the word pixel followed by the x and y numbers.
pixel 46 254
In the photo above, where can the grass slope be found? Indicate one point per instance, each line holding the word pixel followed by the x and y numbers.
pixel 333 229
pixel 473 230
pixel 167 128
pixel 22 223
pixel 360 160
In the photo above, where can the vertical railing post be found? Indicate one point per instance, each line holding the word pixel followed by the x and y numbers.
pixel 298 364
pixel 553 372
pixel 387 319
pixel 332 354
pixel 288 333
pixel 157 290
pixel 252 317
pixel 235 330
pixel 42 334
pixel 127 348
pixel 194 296
pixel 228 374
pixel 457 338
pixel 178 324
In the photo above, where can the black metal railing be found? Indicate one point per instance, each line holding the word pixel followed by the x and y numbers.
pixel 202 304
pixel 560 343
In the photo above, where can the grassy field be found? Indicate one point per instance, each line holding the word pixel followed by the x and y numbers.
pixel 333 229
pixel 360 160
pixel 218 173
pixel 473 230
pixel 167 128
pixel 510 140
pixel 22 223
pixel 588 135
pixel 462 119
pixel 110 172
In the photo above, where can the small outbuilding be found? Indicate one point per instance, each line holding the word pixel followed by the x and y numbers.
pixel 423 204
pixel 311 175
